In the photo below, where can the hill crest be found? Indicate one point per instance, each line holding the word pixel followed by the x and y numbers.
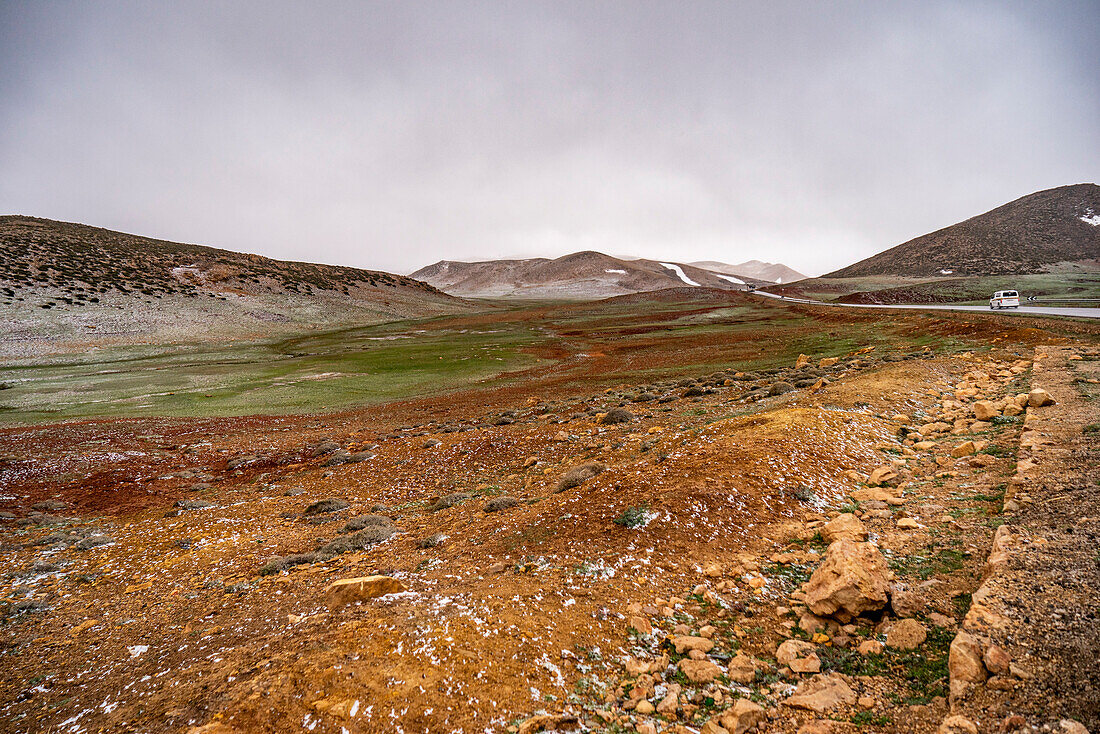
pixel 1025 236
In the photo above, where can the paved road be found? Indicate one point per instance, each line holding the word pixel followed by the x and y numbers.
pixel 1075 311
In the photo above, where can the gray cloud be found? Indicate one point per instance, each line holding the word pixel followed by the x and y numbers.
pixel 390 135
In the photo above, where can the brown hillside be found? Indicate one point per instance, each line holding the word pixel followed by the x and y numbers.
pixel 72 284
pixel 1021 237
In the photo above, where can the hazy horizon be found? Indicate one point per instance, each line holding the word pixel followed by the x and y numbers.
pixel 392 135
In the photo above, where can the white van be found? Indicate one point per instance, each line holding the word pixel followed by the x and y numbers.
pixel 1005 299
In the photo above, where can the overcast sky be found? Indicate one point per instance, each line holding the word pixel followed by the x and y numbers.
pixel 392 135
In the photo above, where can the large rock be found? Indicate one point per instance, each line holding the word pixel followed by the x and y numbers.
pixel 985 410
pixel 908 634
pixel 686 643
pixel 822 693
pixel 743 716
pixel 699 671
pixel 957 725
pixel 1039 397
pixel 799 656
pixel 964 664
pixel 844 527
pixel 828 726
pixel 742 669
pixel 852 579
pixel 882 475
pixel 347 591
pixel 907 602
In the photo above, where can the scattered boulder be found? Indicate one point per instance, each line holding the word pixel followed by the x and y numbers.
pixel 957 725
pixel 578 475
pixel 882 475
pixel 997 660
pixel 500 503
pixel 1039 397
pixel 905 602
pixel 699 671
pixel 827 726
pixel 744 715
pixel 431 443
pixel 985 410
pixel 822 693
pixel 346 591
pixel 799 656
pixel 742 669
pixel 964 664
pixel 50 506
pixel 844 527
pixel 325 506
pixel 966 448
pixel 853 578
pixel 687 643
pixel 908 634
pixel 870 647
pixel 780 388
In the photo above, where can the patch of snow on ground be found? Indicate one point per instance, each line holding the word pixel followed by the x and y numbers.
pixel 679 272
pixel 137 650
pixel 616 272
pixel 1090 218
pixel 731 279
pixel 946 272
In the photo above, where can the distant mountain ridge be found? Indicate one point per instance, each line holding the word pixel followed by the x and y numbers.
pixel 770 272
pixel 1024 236
pixel 579 275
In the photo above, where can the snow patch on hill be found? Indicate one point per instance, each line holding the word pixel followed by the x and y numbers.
pixel 679 272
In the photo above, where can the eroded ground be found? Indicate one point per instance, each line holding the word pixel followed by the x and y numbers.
pixel 169 575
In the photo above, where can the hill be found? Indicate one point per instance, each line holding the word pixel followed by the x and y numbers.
pixel 1029 235
pixel 770 272
pixel 581 275
pixel 64 283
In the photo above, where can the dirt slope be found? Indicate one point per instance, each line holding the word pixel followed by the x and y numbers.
pixel 566 607
pixel 1027 235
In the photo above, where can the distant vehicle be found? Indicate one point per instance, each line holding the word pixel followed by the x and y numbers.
pixel 1005 299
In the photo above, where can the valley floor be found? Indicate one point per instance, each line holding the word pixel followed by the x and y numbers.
pixel 881 538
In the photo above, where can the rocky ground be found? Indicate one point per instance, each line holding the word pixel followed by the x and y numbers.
pixel 895 543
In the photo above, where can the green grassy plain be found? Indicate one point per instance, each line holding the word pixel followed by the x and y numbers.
pixel 549 348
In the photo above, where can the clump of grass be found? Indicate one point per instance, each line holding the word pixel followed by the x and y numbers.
pixel 617 415
pixel 500 503
pixel 924 567
pixel 321 507
pixel 792 575
pixel 578 475
pixel 449 500
pixel 633 517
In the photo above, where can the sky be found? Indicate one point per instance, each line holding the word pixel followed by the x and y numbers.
pixel 390 135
